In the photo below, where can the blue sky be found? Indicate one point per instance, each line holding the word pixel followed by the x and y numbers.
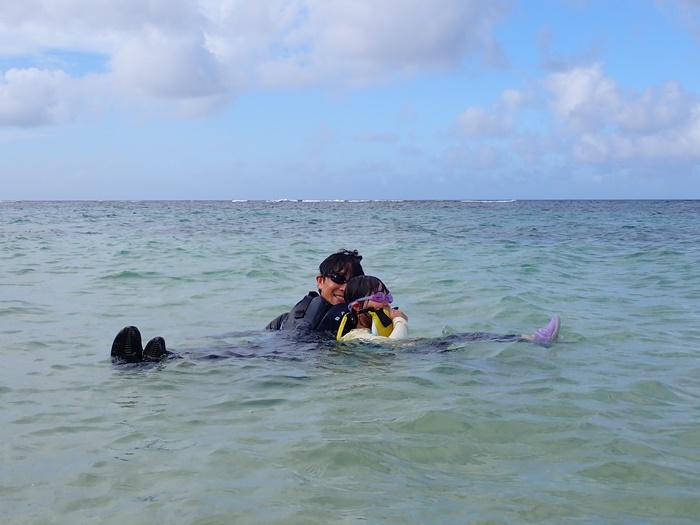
pixel 349 99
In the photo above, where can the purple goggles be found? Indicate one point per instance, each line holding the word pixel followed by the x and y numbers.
pixel 377 297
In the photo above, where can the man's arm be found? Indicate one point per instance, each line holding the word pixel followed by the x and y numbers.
pixel 276 323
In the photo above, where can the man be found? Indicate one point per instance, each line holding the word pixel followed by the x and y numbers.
pixel 317 311
pixel 310 313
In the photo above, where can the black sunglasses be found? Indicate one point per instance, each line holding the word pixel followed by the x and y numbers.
pixel 337 278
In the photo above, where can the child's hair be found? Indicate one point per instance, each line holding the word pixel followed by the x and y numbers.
pixel 363 286
pixel 342 261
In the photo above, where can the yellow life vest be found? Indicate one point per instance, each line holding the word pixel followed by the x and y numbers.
pixel 382 323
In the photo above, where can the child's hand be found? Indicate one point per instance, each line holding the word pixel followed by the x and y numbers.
pixel 398 313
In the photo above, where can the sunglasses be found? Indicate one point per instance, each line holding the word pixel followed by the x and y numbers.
pixel 377 297
pixel 337 278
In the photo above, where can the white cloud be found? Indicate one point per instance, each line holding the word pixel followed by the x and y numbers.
pixel 514 100
pixel 200 53
pixel 582 97
pixel 35 26
pixel 30 97
pixel 477 123
pixel 497 122
pixel 167 66
pixel 610 124
pixel 596 122
pixel 369 136
pixel 675 144
pixel 667 107
pixel 361 41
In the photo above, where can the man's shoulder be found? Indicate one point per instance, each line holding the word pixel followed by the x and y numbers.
pixel 303 305
pixel 307 313
pixel 299 308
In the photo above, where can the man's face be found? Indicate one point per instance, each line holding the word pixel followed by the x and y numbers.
pixel 332 291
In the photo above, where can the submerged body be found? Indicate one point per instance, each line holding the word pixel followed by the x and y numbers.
pixel 127 347
pixel 399 332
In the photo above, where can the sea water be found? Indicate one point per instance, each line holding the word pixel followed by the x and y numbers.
pixel 256 427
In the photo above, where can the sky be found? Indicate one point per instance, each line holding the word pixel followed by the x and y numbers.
pixel 349 99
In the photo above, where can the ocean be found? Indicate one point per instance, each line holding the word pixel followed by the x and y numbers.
pixel 253 427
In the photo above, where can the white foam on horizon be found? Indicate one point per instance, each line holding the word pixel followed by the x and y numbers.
pixel 489 201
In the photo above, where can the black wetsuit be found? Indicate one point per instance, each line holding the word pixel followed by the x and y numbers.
pixel 312 313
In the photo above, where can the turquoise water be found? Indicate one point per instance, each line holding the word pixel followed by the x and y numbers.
pixel 603 427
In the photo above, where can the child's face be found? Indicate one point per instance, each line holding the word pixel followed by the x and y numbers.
pixel 365 320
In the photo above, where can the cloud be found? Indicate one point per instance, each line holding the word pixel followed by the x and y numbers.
pixel 514 100
pixel 497 122
pixel 36 26
pixel 675 145
pixel 686 11
pixel 591 119
pixel 477 123
pixel 30 97
pixel 362 41
pixel 166 67
pixel 369 136
pixel 563 62
pixel 196 55
pixel 607 123
pixel 582 97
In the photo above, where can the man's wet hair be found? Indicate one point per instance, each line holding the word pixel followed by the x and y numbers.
pixel 344 261
pixel 363 286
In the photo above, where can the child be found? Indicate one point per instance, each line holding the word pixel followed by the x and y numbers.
pixel 370 318
pixel 368 303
